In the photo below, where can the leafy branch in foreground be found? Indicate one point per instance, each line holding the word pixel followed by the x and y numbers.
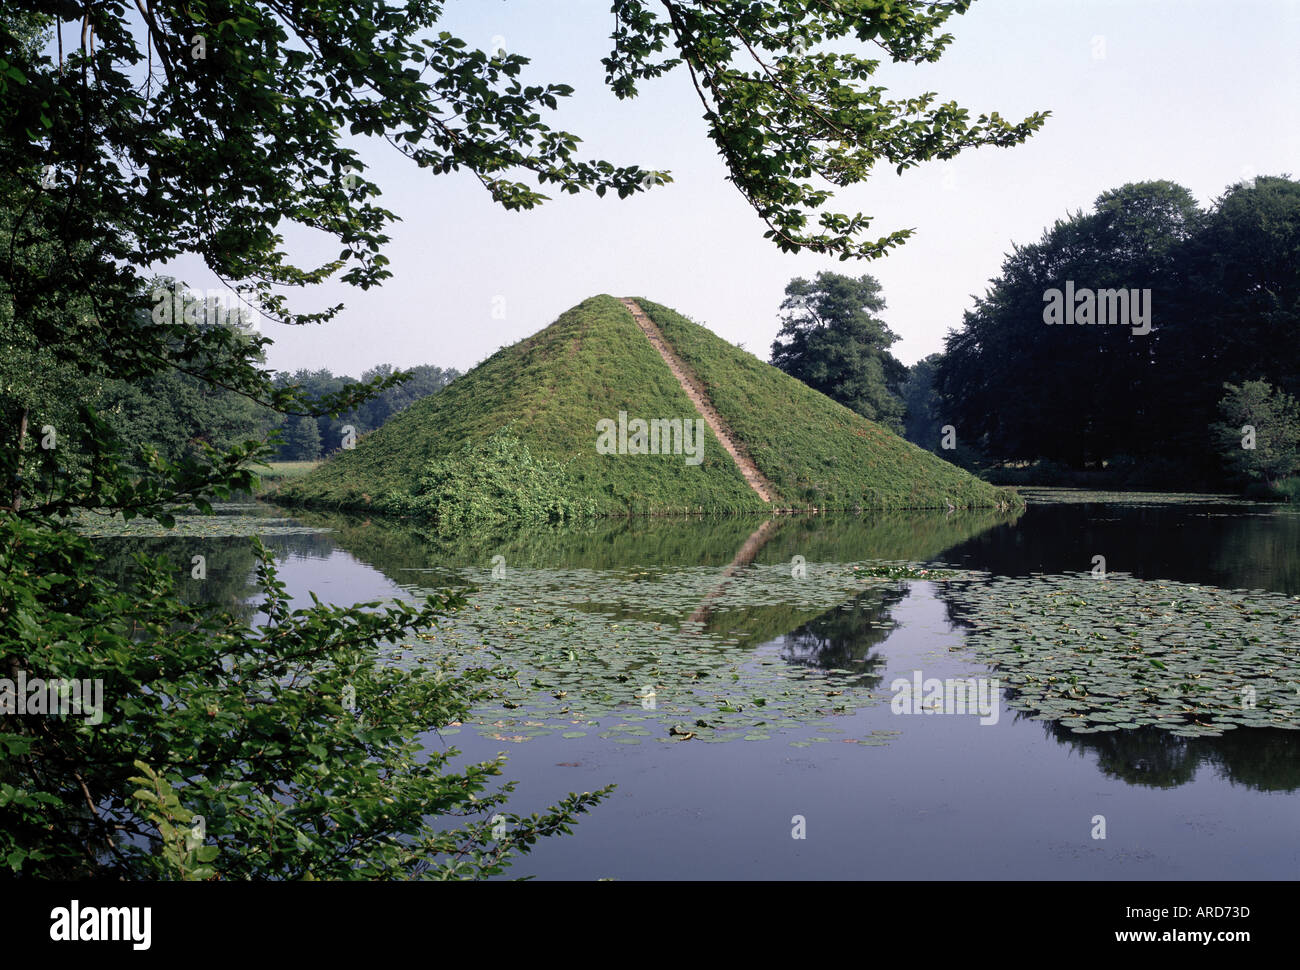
pixel 793 119
pixel 204 129
pixel 107 169
pixel 297 743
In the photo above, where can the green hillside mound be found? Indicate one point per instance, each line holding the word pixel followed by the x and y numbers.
pixel 816 451
pixel 516 438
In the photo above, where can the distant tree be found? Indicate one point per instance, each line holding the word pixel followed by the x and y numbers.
pixel 317 385
pixel 303 440
pixel 366 417
pixel 923 420
pixel 423 381
pixel 1259 436
pixel 1243 289
pixel 178 414
pixel 379 408
pixel 832 339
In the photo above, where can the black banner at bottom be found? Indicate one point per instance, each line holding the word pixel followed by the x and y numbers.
pixel 140 921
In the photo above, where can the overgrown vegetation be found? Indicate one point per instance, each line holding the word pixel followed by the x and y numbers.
pixel 489 482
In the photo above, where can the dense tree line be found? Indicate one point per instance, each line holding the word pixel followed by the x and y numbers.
pixel 308 438
pixel 1222 289
pixel 177 414
pixel 1147 342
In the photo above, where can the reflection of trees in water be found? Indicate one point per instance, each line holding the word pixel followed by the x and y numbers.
pixel 1266 759
pixel 229 565
pixel 1234 547
pixel 845 636
pixel 305 545
pixel 911 536
pixel 956 612
pixel 648 544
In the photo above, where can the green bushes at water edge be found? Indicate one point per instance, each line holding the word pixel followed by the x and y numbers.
pixel 491 481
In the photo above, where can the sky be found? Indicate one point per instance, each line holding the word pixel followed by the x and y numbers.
pixel 1205 94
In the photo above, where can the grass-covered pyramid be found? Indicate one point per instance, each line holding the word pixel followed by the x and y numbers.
pixel 517 436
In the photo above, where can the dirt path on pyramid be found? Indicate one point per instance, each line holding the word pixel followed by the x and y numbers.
pixel 743 558
pixel 694 389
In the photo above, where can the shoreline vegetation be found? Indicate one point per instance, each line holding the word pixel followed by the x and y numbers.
pixel 1131 476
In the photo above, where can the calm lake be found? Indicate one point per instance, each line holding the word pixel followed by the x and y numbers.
pixel 736 679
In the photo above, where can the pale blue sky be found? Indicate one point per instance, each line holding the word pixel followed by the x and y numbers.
pixel 1203 93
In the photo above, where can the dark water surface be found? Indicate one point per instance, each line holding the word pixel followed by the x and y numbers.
pixel 931 796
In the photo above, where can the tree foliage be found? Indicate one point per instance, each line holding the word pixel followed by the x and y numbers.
pixel 1259 436
pixel 296 743
pixel 832 339
pixel 1224 305
pixel 794 118
pixel 157 130
pixel 923 416
pixel 489 482
pixel 302 443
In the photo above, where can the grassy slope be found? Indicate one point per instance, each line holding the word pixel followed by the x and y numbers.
pixel 815 451
pixel 552 388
